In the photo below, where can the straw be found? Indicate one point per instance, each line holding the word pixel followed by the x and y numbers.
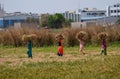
pixel 29 37
pixel 102 35
pixel 59 36
pixel 82 35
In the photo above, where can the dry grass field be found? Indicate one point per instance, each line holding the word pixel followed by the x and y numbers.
pixel 45 64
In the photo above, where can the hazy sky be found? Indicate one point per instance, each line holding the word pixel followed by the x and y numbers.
pixel 52 6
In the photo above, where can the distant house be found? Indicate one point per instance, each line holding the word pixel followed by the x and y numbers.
pixel 113 10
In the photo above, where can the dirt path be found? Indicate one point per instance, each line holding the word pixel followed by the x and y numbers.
pixel 49 57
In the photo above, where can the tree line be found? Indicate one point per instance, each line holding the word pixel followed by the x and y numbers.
pixel 54 21
pixel 51 21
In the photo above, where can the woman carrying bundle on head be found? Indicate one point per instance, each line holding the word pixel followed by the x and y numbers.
pixel 59 39
pixel 81 37
pixel 29 39
pixel 102 36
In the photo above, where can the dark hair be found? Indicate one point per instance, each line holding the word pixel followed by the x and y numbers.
pixel 59 43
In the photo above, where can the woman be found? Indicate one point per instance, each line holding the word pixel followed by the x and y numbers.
pixel 29 51
pixel 102 36
pixel 59 38
pixel 81 46
pixel 60 48
pixel 81 37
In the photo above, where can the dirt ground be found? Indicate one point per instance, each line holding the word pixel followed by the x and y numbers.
pixel 50 57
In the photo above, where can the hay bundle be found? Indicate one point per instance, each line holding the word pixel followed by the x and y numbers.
pixel 82 35
pixel 32 36
pixel 29 37
pixel 24 38
pixel 59 36
pixel 102 35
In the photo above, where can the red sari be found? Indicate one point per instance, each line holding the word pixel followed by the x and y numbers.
pixel 60 48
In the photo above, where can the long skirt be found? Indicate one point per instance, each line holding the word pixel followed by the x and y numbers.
pixel 60 50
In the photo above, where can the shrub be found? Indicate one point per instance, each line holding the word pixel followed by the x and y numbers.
pixel 46 37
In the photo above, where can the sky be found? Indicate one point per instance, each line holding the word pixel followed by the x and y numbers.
pixel 53 6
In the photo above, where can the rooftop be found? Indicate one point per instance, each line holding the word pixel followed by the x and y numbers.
pixel 91 10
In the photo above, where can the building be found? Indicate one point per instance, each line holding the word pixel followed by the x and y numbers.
pixel 9 19
pixel 17 17
pixel 72 15
pixel 83 15
pixel 113 10
pixel 91 14
pixel 82 24
pixel 107 21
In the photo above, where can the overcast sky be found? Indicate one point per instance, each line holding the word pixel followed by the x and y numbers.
pixel 53 6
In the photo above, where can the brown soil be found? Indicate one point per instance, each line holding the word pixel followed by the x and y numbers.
pixel 49 57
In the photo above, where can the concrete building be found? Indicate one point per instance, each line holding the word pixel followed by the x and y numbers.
pixel 72 15
pixel 90 14
pixel 83 15
pixel 113 10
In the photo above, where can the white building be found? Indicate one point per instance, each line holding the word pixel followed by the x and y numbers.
pixel 86 14
pixel 72 15
pixel 113 10
pixel 93 16
pixel 90 16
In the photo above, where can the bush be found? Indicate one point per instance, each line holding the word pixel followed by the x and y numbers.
pixel 46 37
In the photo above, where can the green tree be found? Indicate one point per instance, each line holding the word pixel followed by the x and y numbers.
pixel 56 21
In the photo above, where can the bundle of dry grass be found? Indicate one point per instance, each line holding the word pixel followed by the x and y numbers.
pixel 24 38
pixel 59 36
pixel 102 35
pixel 29 37
pixel 82 35
pixel 32 36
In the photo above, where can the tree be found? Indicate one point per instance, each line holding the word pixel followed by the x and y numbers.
pixel 51 21
pixel 56 21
